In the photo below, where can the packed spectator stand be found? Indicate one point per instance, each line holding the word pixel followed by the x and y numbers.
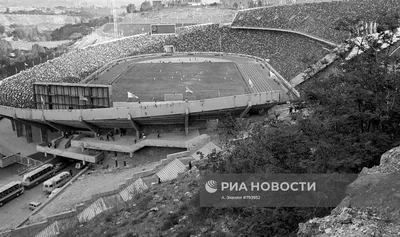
pixel 315 19
pixel 286 52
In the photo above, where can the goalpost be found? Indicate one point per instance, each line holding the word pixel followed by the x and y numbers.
pixel 173 97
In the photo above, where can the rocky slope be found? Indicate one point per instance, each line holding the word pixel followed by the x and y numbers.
pixel 371 208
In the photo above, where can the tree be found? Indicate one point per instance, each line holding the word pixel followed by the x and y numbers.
pixel 360 104
pixel 146 6
pixel 131 8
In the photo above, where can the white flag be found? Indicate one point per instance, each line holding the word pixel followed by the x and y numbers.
pixel 43 102
pixel 81 97
pixel 130 95
pixel 251 83
pixel 188 90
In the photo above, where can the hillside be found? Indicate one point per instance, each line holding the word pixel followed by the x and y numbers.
pixel 43 22
pixel 168 209
pixel 371 207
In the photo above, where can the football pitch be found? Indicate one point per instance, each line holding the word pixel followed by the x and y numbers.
pixel 150 81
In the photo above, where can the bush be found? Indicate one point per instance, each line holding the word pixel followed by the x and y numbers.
pixel 185 233
pixel 108 218
pixel 170 221
pixel 144 202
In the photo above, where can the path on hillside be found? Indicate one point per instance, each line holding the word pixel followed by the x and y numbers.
pixel 98 181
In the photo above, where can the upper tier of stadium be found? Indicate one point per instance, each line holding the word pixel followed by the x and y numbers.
pixel 287 53
pixel 315 19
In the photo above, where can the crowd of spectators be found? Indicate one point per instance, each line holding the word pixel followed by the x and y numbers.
pixel 287 53
pixel 316 19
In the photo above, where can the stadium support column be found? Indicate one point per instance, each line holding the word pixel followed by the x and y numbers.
pixel 246 110
pixel 59 127
pixel 44 136
pixel 28 133
pixel 20 129
pixel 13 124
pixel 90 126
pixel 187 121
pixel 134 126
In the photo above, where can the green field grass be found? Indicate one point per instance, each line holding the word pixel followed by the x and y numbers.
pixel 153 80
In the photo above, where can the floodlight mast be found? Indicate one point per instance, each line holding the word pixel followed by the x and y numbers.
pixel 114 14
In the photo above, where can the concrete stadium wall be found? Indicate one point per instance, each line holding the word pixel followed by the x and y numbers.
pixel 198 142
pixel 178 155
pixel 90 208
pixel 65 153
pixel 8 160
pixel 144 109
pixel 190 144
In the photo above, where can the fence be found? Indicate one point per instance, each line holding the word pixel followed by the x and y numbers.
pixel 29 164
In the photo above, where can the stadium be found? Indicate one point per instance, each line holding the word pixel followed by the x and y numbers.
pixel 200 73
pixel 206 85
pixel 147 83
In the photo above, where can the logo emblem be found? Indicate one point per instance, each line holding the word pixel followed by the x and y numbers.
pixel 211 186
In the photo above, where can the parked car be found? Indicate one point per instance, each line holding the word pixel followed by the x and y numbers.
pixel 34 205
pixel 54 192
pixel 60 166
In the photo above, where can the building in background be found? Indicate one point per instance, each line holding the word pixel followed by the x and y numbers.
pixel 157 4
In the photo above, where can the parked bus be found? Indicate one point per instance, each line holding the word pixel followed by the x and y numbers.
pixel 56 182
pixel 34 177
pixel 10 191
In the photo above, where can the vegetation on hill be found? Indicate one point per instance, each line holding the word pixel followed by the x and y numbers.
pixel 65 32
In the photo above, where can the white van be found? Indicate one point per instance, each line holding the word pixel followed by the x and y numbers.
pixel 57 181
pixel 34 205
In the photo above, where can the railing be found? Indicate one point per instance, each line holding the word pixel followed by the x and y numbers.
pixel 68 144
pixel 56 142
pixel 29 166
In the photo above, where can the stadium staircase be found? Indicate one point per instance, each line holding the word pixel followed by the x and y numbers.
pixel 109 200
pixel 249 71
